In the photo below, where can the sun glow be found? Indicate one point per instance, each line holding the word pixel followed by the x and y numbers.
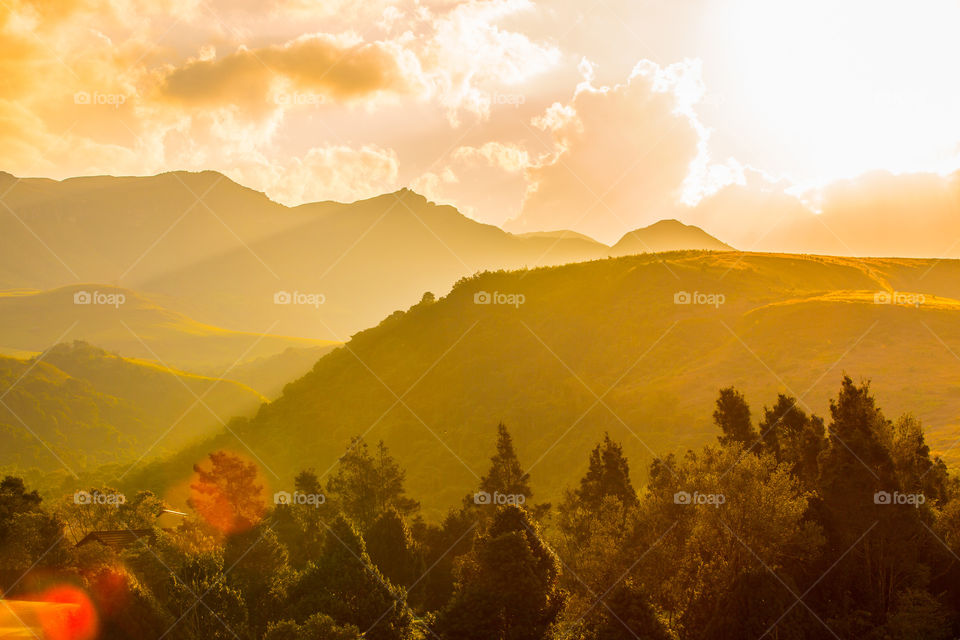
pixel 832 89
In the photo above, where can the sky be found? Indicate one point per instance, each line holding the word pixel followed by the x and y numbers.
pixel 812 125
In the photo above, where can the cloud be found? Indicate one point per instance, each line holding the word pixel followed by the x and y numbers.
pixel 511 158
pixel 876 214
pixel 883 214
pixel 334 66
pixel 336 172
pixel 622 153
pixel 467 56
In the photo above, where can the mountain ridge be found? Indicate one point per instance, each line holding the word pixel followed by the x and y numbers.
pixel 218 251
pixel 666 331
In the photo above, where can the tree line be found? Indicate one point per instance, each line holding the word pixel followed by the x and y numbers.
pixel 789 526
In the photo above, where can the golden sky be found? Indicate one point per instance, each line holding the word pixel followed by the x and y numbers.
pixel 746 116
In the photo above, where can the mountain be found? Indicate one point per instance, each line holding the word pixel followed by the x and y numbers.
pixel 124 321
pixel 76 406
pixel 124 230
pixel 637 346
pixel 667 235
pixel 221 253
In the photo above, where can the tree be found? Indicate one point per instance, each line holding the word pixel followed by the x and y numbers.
pixel 219 613
pixel 127 609
pixel 794 437
pixel 441 547
pixel 608 474
pixel 506 476
pixel 367 485
pixel 593 522
pixel 299 526
pixel 884 541
pixel 344 584
pixel 508 587
pixel 709 519
pixel 626 614
pixel 318 626
pixel 257 567
pixel 227 496
pixel 732 415
pixel 392 549
pixel 29 536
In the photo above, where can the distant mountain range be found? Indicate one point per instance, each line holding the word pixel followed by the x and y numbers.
pixel 228 256
pixel 637 346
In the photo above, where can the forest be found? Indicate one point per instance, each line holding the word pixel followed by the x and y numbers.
pixel 789 526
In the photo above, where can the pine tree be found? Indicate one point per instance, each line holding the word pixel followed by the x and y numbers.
pixel 508 586
pixel 344 584
pixel 366 485
pixel 733 417
pixel 794 437
pixel 608 474
pixel 392 549
pixel 506 475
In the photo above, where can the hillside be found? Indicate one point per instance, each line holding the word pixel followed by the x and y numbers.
pixel 132 325
pixel 218 252
pixel 77 406
pixel 434 381
pixel 270 374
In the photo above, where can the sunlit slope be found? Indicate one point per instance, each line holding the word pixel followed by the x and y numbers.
pixel 133 326
pixel 602 346
pixel 77 406
pixel 367 259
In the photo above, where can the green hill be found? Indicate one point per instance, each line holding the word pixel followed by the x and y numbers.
pixel 76 406
pixel 434 381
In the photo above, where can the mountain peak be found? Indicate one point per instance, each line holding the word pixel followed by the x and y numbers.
pixel 668 235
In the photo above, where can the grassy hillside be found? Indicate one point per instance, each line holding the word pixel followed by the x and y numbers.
pixel 434 381
pixel 137 327
pixel 75 407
